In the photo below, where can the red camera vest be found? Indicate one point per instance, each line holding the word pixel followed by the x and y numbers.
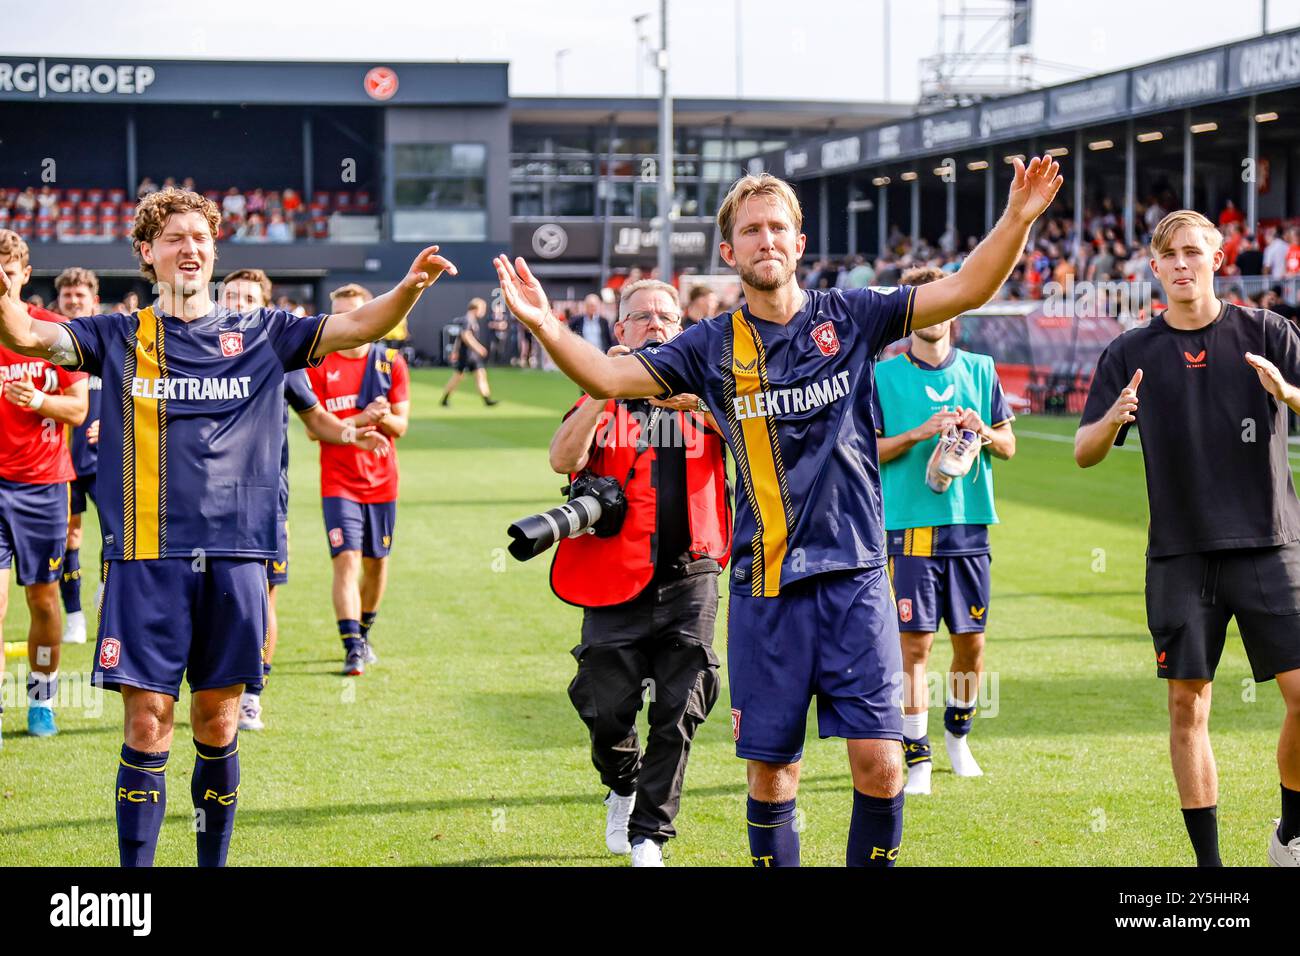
pixel 598 572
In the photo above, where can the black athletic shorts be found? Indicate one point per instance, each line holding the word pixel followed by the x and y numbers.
pixel 1192 597
pixel 468 361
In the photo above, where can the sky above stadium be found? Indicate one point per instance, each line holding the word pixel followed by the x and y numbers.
pixel 812 49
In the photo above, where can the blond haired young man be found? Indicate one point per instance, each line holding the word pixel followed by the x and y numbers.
pixel 1224 539
pixel 792 374
pixel 190 452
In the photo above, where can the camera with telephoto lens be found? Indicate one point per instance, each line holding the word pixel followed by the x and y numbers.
pixel 596 504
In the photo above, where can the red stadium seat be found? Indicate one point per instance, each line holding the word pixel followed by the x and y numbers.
pixel 23 226
pixel 321 199
pixel 116 195
pixel 320 227
pixel 343 202
pixel 44 212
pixel 45 230
pixel 85 209
pixel 363 202
pixel 213 195
pixel 73 196
pixel 127 209
pixel 95 195
pixel 66 208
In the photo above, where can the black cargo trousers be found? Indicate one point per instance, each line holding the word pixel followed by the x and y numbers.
pixel 658 646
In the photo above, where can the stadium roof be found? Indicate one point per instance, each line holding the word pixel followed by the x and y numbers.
pixel 1198 77
pixel 815 116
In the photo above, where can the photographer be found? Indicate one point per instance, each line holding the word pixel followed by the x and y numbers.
pixel 650 591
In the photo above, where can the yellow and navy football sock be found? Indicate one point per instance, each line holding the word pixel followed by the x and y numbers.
pixel 958 717
pixel 1289 828
pixel 141 804
pixel 367 622
pixel 70 583
pixel 41 689
pixel 350 632
pixel 916 740
pixel 1203 828
pixel 215 790
pixel 773 840
pixel 876 830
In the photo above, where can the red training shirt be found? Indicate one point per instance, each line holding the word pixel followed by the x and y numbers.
pixel 347 471
pixel 31 451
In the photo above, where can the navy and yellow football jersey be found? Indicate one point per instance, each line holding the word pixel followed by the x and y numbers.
pixel 796 401
pixel 191 429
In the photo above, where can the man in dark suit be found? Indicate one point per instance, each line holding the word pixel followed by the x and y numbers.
pixel 593 326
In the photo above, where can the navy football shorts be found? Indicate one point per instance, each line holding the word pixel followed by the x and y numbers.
pixel 832 637
pixel 33 530
pixel 955 590
pixel 353 526
pixel 82 490
pixel 277 569
pixel 162 620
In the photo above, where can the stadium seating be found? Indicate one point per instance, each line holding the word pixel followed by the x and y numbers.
pixel 99 214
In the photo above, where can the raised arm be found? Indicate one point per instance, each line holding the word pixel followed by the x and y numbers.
pixel 987 267
pixel 21 333
pixel 596 373
pixel 571 446
pixel 372 321
pixel 1092 442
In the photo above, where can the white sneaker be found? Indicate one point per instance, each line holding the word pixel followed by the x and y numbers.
pixel 74 628
pixel 960 453
pixel 1282 854
pixel 250 712
pixel 647 853
pixel 618 812
pixel 918 778
pixel 963 762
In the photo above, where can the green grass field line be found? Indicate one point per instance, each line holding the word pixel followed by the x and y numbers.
pixel 461 747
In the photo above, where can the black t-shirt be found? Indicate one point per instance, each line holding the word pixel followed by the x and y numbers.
pixel 1250 262
pixel 1214 442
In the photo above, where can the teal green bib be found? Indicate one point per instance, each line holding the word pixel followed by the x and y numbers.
pixel 909 395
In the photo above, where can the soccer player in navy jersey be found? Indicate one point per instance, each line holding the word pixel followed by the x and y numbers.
pixel 248 290
pixel 190 453
pixel 78 296
pixel 811 614
pixel 37 402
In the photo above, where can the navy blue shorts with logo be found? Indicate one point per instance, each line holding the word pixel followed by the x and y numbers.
pixel 162 620
pixel 353 526
pixel 277 569
pixel 954 589
pixel 82 489
pixel 33 530
pixel 832 637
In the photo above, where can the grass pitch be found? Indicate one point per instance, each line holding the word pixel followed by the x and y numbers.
pixel 461 748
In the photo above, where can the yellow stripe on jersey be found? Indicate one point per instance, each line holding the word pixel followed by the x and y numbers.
pixel 144 451
pixel 918 542
pixel 769 494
